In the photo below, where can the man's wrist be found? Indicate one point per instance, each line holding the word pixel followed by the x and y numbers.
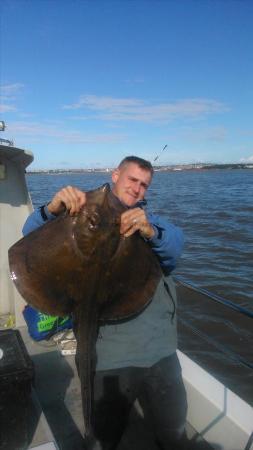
pixel 53 211
pixel 49 207
pixel 150 234
pixel 45 213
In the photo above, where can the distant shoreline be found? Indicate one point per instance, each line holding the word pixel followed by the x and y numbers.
pixel 167 168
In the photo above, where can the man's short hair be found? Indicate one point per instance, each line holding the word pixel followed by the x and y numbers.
pixel 142 163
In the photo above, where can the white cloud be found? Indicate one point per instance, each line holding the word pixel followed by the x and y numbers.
pixel 52 131
pixel 10 90
pixel 103 103
pixel 8 95
pixel 6 108
pixel 213 134
pixel 247 160
pixel 132 109
pixel 134 81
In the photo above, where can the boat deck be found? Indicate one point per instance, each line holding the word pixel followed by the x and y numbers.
pixel 58 390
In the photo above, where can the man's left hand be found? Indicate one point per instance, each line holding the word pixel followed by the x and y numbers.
pixel 134 220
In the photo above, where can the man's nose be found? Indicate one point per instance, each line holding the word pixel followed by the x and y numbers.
pixel 137 187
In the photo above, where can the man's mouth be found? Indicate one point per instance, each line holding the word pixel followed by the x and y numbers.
pixel 132 195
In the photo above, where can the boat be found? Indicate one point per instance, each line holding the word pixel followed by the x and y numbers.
pixel 220 413
pixel 15 206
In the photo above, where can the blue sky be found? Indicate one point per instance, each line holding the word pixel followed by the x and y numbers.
pixel 85 83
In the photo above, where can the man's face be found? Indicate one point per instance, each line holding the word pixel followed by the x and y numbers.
pixel 130 183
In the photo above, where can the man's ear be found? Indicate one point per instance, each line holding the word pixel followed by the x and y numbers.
pixel 115 175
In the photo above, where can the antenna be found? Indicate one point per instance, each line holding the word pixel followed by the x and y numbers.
pixel 2 125
pixel 4 141
pixel 159 154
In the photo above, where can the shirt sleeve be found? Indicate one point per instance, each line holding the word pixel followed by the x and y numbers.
pixel 167 242
pixel 37 219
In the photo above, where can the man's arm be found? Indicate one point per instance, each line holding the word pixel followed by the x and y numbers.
pixel 69 198
pixel 38 218
pixel 167 242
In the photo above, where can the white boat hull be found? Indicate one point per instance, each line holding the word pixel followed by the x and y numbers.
pixel 222 418
pixel 15 206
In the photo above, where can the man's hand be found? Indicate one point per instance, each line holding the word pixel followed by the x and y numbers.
pixel 136 219
pixel 70 198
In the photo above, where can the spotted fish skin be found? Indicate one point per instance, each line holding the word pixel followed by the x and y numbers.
pixel 82 265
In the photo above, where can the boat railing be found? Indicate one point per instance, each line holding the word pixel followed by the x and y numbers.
pixel 6 142
pixel 215 297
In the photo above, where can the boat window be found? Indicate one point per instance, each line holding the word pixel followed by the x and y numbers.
pixel 2 171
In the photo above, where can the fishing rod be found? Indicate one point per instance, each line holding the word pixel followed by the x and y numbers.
pixel 217 298
pixel 159 154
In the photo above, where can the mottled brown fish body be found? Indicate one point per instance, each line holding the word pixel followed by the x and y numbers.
pixel 54 266
pixel 82 264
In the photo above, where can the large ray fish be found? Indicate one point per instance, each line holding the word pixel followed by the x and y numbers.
pixel 82 265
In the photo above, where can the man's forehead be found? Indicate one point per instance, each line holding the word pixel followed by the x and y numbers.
pixel 133 167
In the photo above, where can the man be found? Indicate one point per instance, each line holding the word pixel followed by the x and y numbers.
pixel 136 358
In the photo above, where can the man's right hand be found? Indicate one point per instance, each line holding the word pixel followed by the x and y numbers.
pixel 69 198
